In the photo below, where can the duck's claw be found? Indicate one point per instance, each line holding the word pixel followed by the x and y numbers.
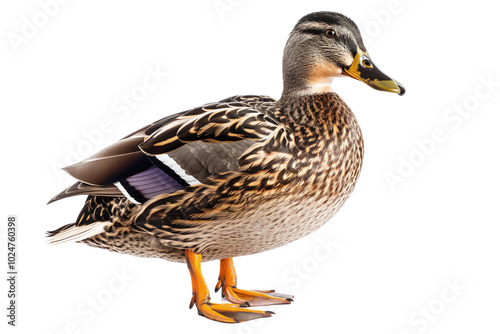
pixel 227 282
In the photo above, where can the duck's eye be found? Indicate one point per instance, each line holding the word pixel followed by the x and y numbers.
pixel 330 33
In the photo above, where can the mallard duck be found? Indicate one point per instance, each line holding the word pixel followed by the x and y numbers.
pixel 235 177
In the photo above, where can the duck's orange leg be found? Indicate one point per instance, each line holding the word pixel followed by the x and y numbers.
pixel 201 297
pixel 227 281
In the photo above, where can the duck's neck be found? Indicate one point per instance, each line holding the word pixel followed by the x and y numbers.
pixel 316 86
pixel 305 76
pixel 313 82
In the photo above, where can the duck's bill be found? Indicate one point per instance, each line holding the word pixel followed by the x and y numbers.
pixel 363 69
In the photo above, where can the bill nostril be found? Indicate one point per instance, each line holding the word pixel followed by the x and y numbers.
pixel 367 63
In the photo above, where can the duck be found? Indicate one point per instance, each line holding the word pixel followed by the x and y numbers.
pixel 236 177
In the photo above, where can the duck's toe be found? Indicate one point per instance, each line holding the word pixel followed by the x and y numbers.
pixel 230 313
pixel 255 297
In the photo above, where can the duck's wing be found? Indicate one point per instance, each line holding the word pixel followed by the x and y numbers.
pixel 175 152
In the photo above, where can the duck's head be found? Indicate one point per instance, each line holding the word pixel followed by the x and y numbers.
pixel 324 45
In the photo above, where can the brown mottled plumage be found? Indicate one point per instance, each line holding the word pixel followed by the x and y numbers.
pixel 237 177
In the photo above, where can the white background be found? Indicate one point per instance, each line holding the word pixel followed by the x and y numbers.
pixel 393 250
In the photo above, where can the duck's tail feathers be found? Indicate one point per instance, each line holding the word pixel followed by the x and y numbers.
pixel 74 233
